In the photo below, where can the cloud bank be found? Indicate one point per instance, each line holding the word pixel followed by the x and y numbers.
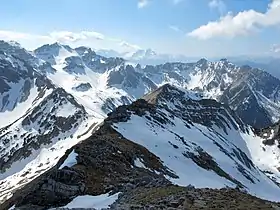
pixel 92 39
pixel 243 23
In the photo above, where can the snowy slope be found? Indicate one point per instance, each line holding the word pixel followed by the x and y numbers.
pixel 203 142
pixel 264 146
pixel 84 74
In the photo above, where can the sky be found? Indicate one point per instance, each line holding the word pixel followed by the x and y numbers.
pixel 195 28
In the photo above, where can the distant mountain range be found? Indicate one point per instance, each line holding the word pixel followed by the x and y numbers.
pixel 150 57
pixel 146 57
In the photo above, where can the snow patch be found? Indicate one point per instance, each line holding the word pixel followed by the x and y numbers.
pixel 70 161
pixel 97 202
pixel 66 110
pixel 139 163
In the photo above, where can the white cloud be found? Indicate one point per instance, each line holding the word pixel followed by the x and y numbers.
pixel 143 3
pixel 30 41
pixel 276 48
pixel 242 23
pixel 87 38
pixel 15 36
pixel 175 28
pixel 219 5
pixel 67 36
pixel 129 46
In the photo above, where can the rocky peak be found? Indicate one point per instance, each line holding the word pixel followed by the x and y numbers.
pixel 84 50
pixel 49 52
pixel 13 49
pixel 9 46
pixel 202 62
pixel 52 47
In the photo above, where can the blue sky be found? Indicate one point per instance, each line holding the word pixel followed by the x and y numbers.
pixel 239 27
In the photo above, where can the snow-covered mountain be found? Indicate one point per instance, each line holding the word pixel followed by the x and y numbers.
pixel 200 135
pixel 102 83
pixel 184 139
pixel 39 119
pixel 83 73
pixel 55 97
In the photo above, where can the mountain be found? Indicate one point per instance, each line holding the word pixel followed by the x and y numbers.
pixel 269 64
pixel 39 119
pixel 101 84
pixel 184 139
pixel 83 73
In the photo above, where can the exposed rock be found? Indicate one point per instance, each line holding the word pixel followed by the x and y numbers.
pixel 174 197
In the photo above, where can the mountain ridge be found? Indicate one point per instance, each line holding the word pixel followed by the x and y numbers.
pixel 116 148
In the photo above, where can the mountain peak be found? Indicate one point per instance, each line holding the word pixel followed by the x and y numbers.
pixel 167 92
pixel 54 46
pixel 202 61
pixel 10 44
pixel 84 50
pixel 224 60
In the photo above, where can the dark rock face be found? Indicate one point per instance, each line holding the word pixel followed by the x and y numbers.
pixel 18 76
pixel 59 187
pixel 83 87
pixel 250 111
pixel 74 65
pixel 129 78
